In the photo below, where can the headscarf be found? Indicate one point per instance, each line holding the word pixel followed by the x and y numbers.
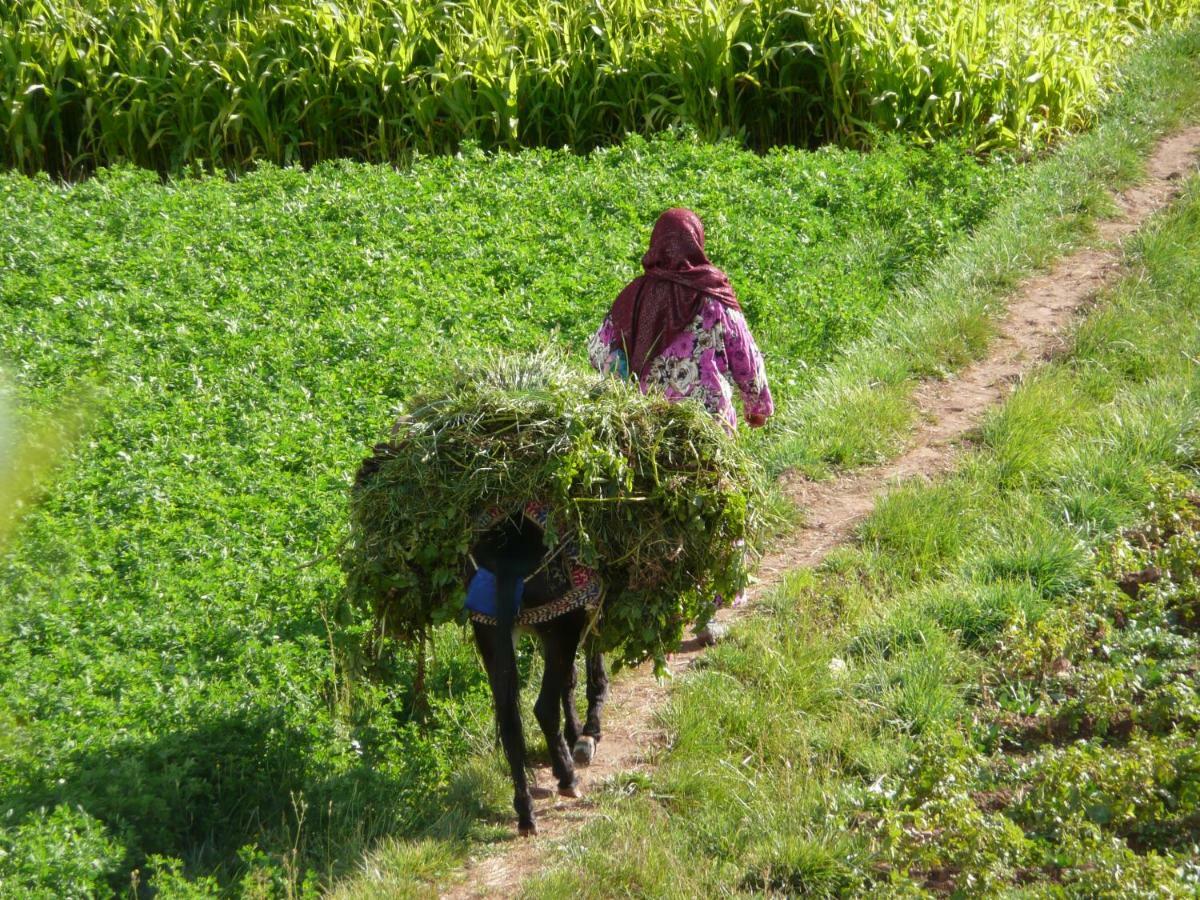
pixel 657 307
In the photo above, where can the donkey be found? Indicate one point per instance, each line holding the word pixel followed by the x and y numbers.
pixel 557 611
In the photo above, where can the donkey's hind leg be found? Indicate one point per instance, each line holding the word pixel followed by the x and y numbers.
pixel 502 676
pixel 572 728
pixel 560 640
pixel 597 693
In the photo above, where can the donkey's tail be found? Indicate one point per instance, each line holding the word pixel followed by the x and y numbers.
pixel 508 578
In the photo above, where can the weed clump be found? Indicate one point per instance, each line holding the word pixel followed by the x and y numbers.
pixel 653 494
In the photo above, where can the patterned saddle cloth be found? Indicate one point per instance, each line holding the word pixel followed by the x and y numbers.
pixel 561 575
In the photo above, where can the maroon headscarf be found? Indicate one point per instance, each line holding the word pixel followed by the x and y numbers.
pixel 655 308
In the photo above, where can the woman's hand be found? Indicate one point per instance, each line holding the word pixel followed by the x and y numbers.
pixel 756 420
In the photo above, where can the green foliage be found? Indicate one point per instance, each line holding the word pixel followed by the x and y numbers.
pixel 165 657
pixel 62 852
pixel 85 83
pixel 654 495
pixel 858 409
pixel 368 273
pixel 1099 701
pixel 164 652
pixel 1011 710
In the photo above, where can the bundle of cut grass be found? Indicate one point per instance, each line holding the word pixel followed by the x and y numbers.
pixel 656 496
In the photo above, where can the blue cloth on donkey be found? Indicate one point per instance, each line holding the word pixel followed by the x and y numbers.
pixel 481 593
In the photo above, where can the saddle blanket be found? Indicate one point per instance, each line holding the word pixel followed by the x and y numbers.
pixel 481 593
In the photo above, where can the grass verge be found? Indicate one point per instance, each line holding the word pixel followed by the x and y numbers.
pixel 993 692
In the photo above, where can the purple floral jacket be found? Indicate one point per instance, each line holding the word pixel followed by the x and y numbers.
pixel 699 363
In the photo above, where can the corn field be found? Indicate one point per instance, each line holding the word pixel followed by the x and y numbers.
pixel 227 83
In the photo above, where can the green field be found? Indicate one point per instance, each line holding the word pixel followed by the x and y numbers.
pixel 229 83
pixel 166 669
pixel 171 716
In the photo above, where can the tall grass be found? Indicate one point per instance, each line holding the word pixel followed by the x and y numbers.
pixel 230 82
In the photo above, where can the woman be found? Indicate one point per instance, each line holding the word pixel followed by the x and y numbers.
pixel 679 326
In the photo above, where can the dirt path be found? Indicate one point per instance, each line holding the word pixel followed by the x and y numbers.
pixel 1039 315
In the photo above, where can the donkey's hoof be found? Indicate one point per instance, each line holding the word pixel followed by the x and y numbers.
pixel 572 791
pixel 527 830
pixel 585 749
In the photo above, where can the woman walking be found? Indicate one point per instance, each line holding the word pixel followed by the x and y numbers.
pixel 679 326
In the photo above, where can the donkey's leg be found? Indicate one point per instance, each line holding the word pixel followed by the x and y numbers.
pixel 560 639
pixel 571 727
pixel 502 676
pixel 597 692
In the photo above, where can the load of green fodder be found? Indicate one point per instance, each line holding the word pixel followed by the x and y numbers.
pixel 656 495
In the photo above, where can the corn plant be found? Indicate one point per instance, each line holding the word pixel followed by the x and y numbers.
pixel 232 82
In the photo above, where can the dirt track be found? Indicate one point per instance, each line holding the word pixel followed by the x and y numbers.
pixel 1036 326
